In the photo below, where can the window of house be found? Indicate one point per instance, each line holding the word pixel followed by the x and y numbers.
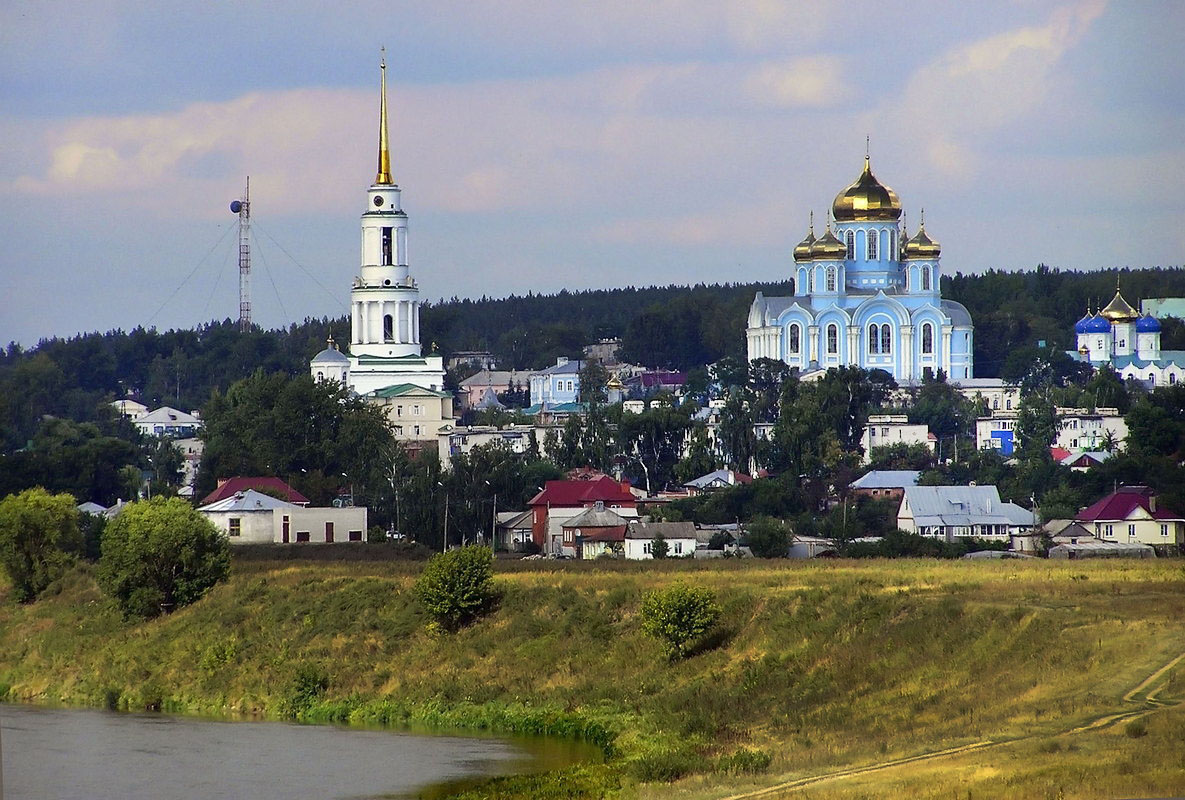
pixel 1131 531
pixel 833 339
pixel 873 238
pixel 1108 530
pixel 831 279
pixel 928 344
pixel 874 341
pixel 417 430
pixel 925 279
pixel 678 548
pixel 646 548
pixel 886 339
pixel 235 525
pixel 794 343
pixel 355 536
pixel 1164 529
pixel 302 536
pixel 399 411
pixel 850 240
pixel 1008 404
pixel 386 247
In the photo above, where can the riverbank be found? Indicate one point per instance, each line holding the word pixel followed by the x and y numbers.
pixel 817 667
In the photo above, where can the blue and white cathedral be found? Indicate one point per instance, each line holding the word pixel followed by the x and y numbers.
pixel 1129 342
pixel 865 294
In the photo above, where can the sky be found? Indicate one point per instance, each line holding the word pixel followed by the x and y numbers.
pixel 550 145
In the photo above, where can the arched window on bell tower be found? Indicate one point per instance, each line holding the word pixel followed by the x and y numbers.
pixel 386 259
pixel 850 240
pixel 388 328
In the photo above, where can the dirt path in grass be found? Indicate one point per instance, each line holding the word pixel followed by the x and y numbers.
pixel 1145 694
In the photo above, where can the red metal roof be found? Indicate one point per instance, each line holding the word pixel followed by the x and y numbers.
pixel 232 486
pixel 1120 505
pixel 573 494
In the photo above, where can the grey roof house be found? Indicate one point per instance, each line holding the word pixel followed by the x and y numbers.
pixel 951 512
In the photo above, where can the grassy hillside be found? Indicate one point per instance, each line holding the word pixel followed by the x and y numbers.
pixel 827 667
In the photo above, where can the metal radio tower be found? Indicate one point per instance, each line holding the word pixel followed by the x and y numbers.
pixel 243 209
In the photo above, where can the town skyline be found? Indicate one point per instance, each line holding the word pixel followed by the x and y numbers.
pixel 540 149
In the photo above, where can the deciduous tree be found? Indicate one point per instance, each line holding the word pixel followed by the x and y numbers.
pixel 39 539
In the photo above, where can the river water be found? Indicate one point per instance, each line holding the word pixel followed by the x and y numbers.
pixel 69 754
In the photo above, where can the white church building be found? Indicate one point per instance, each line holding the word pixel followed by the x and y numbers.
pixel 866 294
pixel 385 348
pixel 1129 342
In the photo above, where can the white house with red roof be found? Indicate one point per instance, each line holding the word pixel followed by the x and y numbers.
pixel 1133 514
pixel 560 501
pixel 229 487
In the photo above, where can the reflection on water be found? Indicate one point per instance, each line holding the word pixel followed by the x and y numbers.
pixel 87 755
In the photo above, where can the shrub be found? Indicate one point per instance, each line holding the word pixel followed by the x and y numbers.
pixel 664 765
pixel 457 587
pixel 307 687
pixel 1135 729
pixel 659 547
pixel 768 538
pixel 38 539
pixel 159 555
pixel 679 615
pixel 744 761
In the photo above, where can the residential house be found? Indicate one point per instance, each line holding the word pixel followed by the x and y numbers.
pixel 592 532
pixel 453 442
pixel 474 388
pixel 416 413
pixel 228 487
pixel 604 351
pixel 885 484
pixel 651 382
pixel 995 393
pixel 952 512
pixel 1081 462
pixel 715 480
pixel 130 408
pixel 556 385
pixel 1079 429
pixel 481 359
pixel 251 517
pixel 513 530
pixel 680 538
pixel 559 501
pixel 884 430
pixel 166 421
pixel 1134 514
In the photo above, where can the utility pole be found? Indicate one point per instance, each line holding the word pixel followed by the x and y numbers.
pixel 444 542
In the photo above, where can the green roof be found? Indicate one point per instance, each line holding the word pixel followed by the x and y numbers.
pixel 401 389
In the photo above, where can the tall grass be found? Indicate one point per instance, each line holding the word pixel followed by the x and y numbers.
pixel 813 664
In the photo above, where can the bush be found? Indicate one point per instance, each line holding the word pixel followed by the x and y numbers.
pixel 38 539
pixel 1135 729
pixel 665 765
pixel 679 615
pixel 659 547
pixel 161 554
pixel 457 587
pixel 744 761
pixel 768 538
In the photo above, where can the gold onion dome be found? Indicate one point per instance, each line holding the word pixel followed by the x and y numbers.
pixel 803 251
pixel 828 247
pixel 921 245
pixel 1118 310
pixel 866 199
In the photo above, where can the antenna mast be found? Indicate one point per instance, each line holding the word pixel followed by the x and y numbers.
pixel 243 209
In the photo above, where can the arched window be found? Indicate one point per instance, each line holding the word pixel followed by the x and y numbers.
pixel 850 239
pixel 925 279
pixel 388 328
pixel 928 341
pixel 832 339
pixel 872 240
pixel 886 339
pixel 831 279
pixel 1172 377
pixel 320 376
pixel 794 339
pixel 874 339
pixel 893 244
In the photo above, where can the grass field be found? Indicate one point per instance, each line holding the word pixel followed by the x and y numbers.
pixel 848 675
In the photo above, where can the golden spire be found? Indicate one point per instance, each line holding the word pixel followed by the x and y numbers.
pixel 922 221
pixel 384 174
pixel 812 224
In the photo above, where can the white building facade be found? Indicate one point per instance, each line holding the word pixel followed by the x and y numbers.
pixel 1129 342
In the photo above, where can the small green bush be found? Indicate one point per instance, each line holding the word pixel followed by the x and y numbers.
pixel 1135 729
pixel 308 685
pixel 457 587
pixel 744 761
pixel 679 615
pixel 664 765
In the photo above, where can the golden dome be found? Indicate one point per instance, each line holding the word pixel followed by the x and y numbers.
pixel 827 247
pixel 1118 310
pixel 921 245
pixel 803 251
pixel 866 199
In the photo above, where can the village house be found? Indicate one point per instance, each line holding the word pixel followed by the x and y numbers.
pixel 719 479
pixel 884 430
pixel 1134 514
pixel 478 386
pixel 228 487
pixel 559 501
pixel 592 532
pixel 885 484
pixel 680 538
pixel 953 512
pixel 251 517
pixel 452 442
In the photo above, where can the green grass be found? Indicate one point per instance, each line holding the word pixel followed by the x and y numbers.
pixel 814 665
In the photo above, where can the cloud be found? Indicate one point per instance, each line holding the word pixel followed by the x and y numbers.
pixel 954 104
pixel 813 81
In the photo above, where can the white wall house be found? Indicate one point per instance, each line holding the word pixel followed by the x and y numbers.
pixel 252 517
pixel 1079 430
pixel 166 421
pixel 639 539
pixel 952 512
pixel 884 430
